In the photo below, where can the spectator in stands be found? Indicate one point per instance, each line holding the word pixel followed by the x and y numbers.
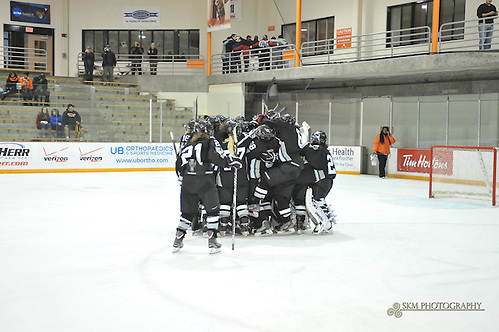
pixel 56 123
pixel 381 147
pixel 277 51
pixel 27 89
pixel 88 62
pixel 153 59
pixel 245 46
pixel 43 122
pixel 226 49
pixel 71 120
pixel 229 47
pixel 235 55
pixel 136 58
pixel 40 86
pixel 486 13
pixel 264 55
pixel 108 64
pixel 254 55
pixel 10 85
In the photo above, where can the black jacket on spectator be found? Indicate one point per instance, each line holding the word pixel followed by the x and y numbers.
pixel 88 59
pixel 70 118
pixel 138 50
pixel 108 59
pixel 40 82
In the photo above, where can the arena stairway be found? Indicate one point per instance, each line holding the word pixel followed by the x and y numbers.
pixel 118 112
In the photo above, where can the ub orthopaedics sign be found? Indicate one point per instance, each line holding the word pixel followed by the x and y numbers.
pixel 32 157
pixel 397 308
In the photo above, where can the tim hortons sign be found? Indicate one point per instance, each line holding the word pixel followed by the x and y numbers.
pixel 418 161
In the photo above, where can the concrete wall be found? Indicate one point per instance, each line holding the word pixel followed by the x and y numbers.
pixel 72 16
pixel 59 22
pixel 224 99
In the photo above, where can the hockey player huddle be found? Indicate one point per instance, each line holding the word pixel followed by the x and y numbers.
pixel 276 177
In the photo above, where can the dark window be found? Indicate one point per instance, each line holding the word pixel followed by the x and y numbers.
pixel 174 42
pixel 419 14
pixel 313 30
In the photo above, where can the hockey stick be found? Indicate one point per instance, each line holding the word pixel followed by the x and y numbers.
pixel 173 141
pixel 234 192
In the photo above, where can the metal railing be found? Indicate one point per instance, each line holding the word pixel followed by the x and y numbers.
pixel 386 44
pixel 465 36
pixel 130 64
pixel 22 58
pixel 256 59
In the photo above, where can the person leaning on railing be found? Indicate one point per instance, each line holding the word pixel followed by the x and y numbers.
pixel 10 85
pixel 486 13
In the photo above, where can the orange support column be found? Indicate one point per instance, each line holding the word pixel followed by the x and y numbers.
pixel 208 55
pixel 435 25
pixel 298 33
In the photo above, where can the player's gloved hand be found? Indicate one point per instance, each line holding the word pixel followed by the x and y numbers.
pixel 260 118
pixel 235 164
pixel 180 180
pixel 268 156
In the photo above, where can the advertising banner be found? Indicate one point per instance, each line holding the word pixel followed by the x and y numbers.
pixel 418 161
pixel 28 157
pixel 218 15
pixel 346 158
pixel 141 17
pixel 29 12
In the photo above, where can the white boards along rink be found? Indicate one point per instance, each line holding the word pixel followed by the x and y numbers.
pixel 47 157
pixel 43 157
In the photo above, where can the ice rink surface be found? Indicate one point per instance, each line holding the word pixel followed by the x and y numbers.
pixel 92 252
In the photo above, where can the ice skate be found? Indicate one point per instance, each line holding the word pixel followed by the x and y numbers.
pixel 244 227
pixel 213 245
pixel 264 230
pixel 222 228
pixel 286 228
pixel 300 224
pixel 179 240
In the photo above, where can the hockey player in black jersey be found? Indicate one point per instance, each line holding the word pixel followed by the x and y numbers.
pixel 195 166
pixel 281 178
pixel 321 162
pixel 225 181
pixel 262 153
pixel 186 137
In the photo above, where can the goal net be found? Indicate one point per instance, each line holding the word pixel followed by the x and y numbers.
pixel 464 172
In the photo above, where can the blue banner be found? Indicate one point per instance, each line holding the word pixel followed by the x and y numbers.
pixel 29 12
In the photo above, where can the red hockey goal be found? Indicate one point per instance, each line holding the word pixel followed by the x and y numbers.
pixel 463 171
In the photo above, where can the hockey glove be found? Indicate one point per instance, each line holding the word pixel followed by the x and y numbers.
pixel 268 156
